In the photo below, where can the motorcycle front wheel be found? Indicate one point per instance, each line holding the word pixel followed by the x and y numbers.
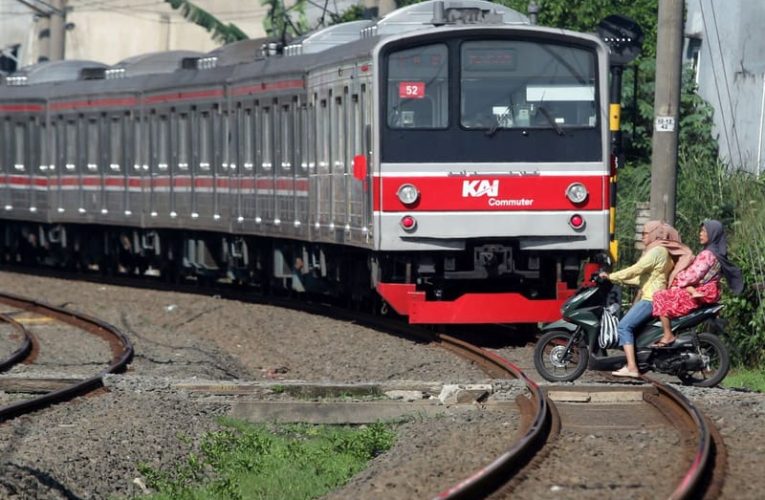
pixel 554 362
pixel 716 361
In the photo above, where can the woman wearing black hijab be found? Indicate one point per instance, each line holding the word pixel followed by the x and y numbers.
pixel 699 284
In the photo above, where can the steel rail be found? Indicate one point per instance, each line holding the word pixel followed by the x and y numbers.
pixel 26 346
pixel 122 353
pixel 496 474
pixel 539 418
pixel 704 475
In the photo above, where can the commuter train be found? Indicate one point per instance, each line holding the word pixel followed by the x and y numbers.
pixel 450 162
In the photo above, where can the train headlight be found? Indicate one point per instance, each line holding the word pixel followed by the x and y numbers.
pixel 577 193
pixel 408 194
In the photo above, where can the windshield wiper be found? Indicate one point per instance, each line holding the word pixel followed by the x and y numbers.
pixel 550 119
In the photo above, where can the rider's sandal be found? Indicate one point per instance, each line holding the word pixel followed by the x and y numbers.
pixel 624 372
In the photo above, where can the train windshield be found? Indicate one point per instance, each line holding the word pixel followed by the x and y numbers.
pixel 418 88
pixel 519 84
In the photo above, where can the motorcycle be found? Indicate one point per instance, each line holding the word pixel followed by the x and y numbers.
pixel 571 345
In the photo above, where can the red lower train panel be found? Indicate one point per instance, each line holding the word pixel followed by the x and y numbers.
pixel 472 308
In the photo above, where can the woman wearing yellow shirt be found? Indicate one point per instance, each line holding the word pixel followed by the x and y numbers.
pixel 650 273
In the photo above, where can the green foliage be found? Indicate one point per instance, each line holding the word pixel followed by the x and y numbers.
pixel 584 15
pixel 279 22
pixel 252 461
pixel 221 32
pixel 742 378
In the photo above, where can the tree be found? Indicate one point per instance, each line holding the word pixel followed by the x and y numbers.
pixel 221 32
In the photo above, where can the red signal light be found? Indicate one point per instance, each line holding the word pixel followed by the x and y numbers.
pixel 408 223
pixel 576 221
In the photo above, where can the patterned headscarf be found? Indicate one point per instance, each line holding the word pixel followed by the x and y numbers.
pixel 718 245
pixel 659 233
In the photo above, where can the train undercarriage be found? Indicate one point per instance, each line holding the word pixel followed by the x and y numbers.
pixel 489 282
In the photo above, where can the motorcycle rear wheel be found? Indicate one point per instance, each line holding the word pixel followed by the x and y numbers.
pixel 717 363
pixel 554 363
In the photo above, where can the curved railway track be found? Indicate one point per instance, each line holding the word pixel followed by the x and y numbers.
pixel 121 348
pixel 540 421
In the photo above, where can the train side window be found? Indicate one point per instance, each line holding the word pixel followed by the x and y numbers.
pixel 115 143
pixel 20 147
pixel 4 141
pixel 163 135
pixel 323 136
pixel 70 145
pixel 51 138
pixel 338 139
pixel 227 141
pixel 92 144
pixel 356 126
pixel 267 160
pixel 286 138
pixel 304 138
pixel 418 88
pixel 183 141
pixel 139 147
pixel 42 140
pixel 248 158
pixel 205 136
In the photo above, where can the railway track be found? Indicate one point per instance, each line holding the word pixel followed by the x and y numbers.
pixel 540 419
pixel 645 441
pixel 120 346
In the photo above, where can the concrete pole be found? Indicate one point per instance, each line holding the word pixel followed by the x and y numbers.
pixel 56 52
pixel 669 46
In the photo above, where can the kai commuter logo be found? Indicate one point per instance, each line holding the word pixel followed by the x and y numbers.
pixel 477 188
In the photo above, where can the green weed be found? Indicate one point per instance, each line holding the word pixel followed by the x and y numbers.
pixel 247 461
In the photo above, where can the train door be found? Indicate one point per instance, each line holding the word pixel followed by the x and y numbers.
pixel 251 154
pixel 139 178
pixel 284 171
pixel 356 162
pixel 158 167
pixel 225 164
pixel 5 152
pixel 46 167
pixel 202 183
pixel 265 172
pixel 307 165
pixel 91 175
pixel 323 182
pixel 69 176
pixel 339 214
pixel 181 160
pixel 115 181
pixel 21 173
pixel 37 168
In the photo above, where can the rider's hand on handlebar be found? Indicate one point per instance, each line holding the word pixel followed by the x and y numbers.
pixel 603 275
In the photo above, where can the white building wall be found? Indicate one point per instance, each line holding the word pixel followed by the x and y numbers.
pixel 731 74
pixel 109 31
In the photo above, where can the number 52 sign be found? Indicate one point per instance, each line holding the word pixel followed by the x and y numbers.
pixel 411 90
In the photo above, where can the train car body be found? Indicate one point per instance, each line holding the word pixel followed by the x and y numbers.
pixel 449 162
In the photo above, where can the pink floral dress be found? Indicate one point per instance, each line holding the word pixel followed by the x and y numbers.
pixel 703 274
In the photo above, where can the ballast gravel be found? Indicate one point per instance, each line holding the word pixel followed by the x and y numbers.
pixel 91 447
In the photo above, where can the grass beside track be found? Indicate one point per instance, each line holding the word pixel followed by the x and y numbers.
pixel 746 378
pixel 244 461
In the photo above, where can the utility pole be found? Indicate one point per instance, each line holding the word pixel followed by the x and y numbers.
pixel 57 25
pixel 669 46
pixel 52 28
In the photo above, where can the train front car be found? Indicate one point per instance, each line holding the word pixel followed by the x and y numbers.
pixel 492 174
